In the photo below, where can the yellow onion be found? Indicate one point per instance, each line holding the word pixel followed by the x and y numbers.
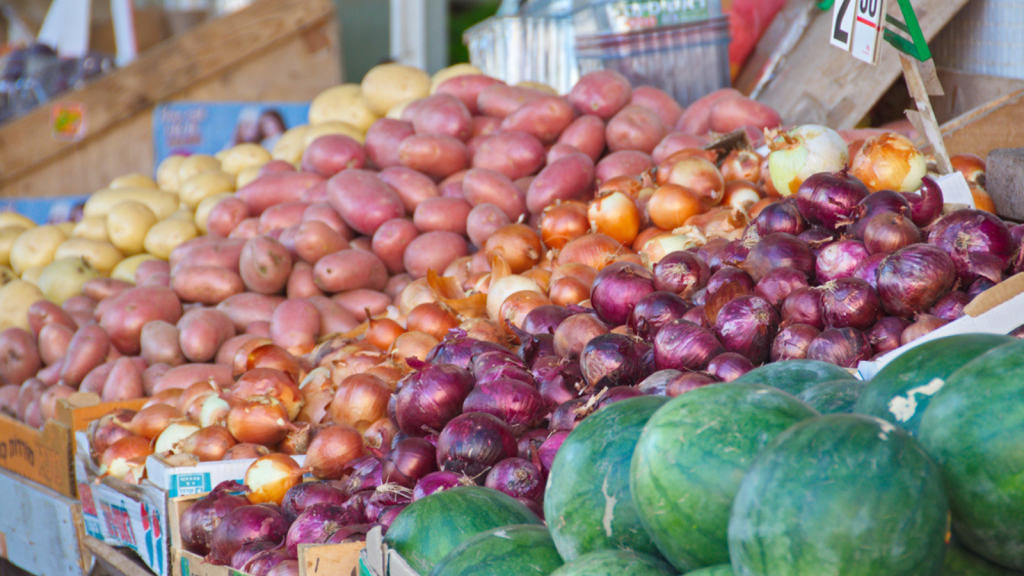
pixel 169 397
pixel 355 359
pixel 197 390
pixel 518 305
pixel 971 166
pixel 565 291
pixel 151 421
pixel 270 477
pixel 630 185
pixel 121 457
pixel 665 167
pixel 270 382
pixel 594 250
pixel 360 401
pixel 175 432
pixel 889 162
pixel 656 248
pixel 389 372
pixel 380 434
pixel 209 444
pixel 214 411
pixel 741 194
pixel 412 345
pixel 803 151
pixel 615 215
pixel 381 332
pixel 982 200
pixel 277 358
pixel 318 391
pixel 483 329
pixel 741 165
pixel 259 420
pixel 700 176
pixel 672 205
pixel 433 318
pixel 645 235
pixel 563 222
pixel 541 277
pixel 245 451
pixel 416 293
pixel 240 362
pixel 517 244
pixel 296 442
pixel 332 449
pixel 505 287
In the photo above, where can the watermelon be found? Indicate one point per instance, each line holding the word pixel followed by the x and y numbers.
pixel 587 502
pixel 795 376
pixel 691 458
pixel 840 495
pixel 902 389
pixel 974 430
pixel 961 562
pixel 615 563
pixel 429 528
pixel 720 570
pixel 834 396
pixel 524 550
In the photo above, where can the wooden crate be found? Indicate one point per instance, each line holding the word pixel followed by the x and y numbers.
pixel 273 50
pixel 997 124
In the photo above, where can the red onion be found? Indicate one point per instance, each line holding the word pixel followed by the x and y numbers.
pixel 792 342
pixel 681 273
pixel 263 562
pixel 688 381
pixel 697 316
pixel 778 284
pixel 249 551
pixel 654 311
pixel 617 393
pixel 383 498
pixel 925 323
pixel 243 525
pixel 612 360
pixel 839 260
pixel 817 239
pixel 350 533
pixel 388 516
pixel 979 243
pixel 305 494
pixel 366 474
pixel 979 286
pixel 657 383
pixel 568 414
pixel 557 379
pixel 729 366
pixel 840 346
pixel 430 398
pixel 473 442
pixel 700 297
pixel 506 373
pixel 782 216
pixel 438 481
pixel 545 319
pixel 778 250
pixel 356 505
pixel 736 251
pixel 1017 233
pixel 888 232
pixel 885 334
pixel 533 506
pixel 712 253
pixel 849 302
pixel 926 204
pixel 617 288
pixel 867 270
pixel 289 567
pixel 487 361
pixel 529 442
pixel 913 279
pixel 830 199
pixel 951 306
pixel 683 345
pixel 518 478
pixel 315 524
pixel 803 306
pixel 535 347
pixel 729 274
pixel 410 460
pixel 550 448
pixel 200 520
pixel 747 325
pixel 518 404
pixel 1017 332
pixel 877 203
pixel 456 348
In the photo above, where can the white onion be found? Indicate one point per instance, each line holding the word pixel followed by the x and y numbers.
pixel 802 152
pixel 504 288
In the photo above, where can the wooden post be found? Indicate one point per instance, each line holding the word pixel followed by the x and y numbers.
pixel 919 90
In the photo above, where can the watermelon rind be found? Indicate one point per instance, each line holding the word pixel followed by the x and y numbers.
pixel 720 570
pixel 615 563
pixel 523 550
pixel 962 562
pixel 794 376
pixel 834 396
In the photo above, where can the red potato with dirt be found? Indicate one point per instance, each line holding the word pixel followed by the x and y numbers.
pixel 150 377
pixel 601 93
pixel 696 119
pixel 264 265
pixel 434 155
pixel 282 216
pixel 124 382
pixel 658 101
pixel 332 153
pixel 206 284
pixel 468 88
pixel 514 154
pixel 226 216
pixel 323 212
pixel 433 251
pixel 314 240
pixel 586 134
pixel 43 313
pixel 224 253
pixel 544 118
pixel 334 318
pixel 202 332
pixel 350 270
pixel 484 126
pixel 442 214
pixel 150 269
pixel 383 139
pixel 390 241
pixel 624 163
pixel 101 288
pixel 730 114
pixel 132 309
pixel 357 302
pixel 411 186
pixel 245 308
pixel 246 229
pixel 19 356
pixel 161 344
pixel 363 200
pixel 634 128
pixel 571 178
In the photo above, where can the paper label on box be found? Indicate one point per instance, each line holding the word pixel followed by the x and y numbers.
pixel 184 567
pixel 189 484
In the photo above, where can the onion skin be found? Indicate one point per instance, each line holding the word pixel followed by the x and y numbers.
pixel 259 420
pixel 729 366
pixel 889 232
pixel 305 494
pixel 885 334
pixel 979 243
pixel 683 345
pixel 748 325
pixel 473 442
pixel 439 481
pixel 544 319
pixel 209 444
pixel 782 216
pixel 332 450
pixel 410 460
pixel 779 250
pixel 518 478
pixel 361 400
pixel 889 161
pixel 778 284
pixel 831 199
pixel 315 524
pixel 926 206
pixel 840 260
pixel 430 398
pixel 654 311
pixel 613 360
pixel 951 306
pixel 913 279
pixel 617 288
pixel 878 203
pixel 843 347
pixel 850 303
pixel 688 381
pixel 573 334
pixel 202 517
pixel 516 403
pixel 792 342
pixel 867 270
pixel 244 525
pixel 681 272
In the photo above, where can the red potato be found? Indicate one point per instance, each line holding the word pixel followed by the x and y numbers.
pixel 412 187
pixel 446 214
pixel 675 142
pixel 383 139
pixel 201 333
pixel 161 344
pixel 9 399
pixel 315 193
pixel 514 154
pixel 500 100
pixel 730 114
pixel 586 133
pixel 468 88
pixel 334 319
pixel 101 307
pixel 624 163
pixel 206 284
pixel 301 283
pixel 51 374
pixel 485 126
pixel 261 329
pixel 323 212
pixel 443 114
pixel 314 240
pixel 433 251
pixel 364 243
pixel 78 303
pixel 350 270
pixel 332 153
pixel 363 200
pixel 48 400
pixel 227 351
pixel 43 313
pixel 634 128
pixel 481 186
pixel 434 155
pixel 601 93
pixel 483 221
pixel 29 392
pixel 274 189
pixel 474 143
pixel 287 239
pixel 226 216
pixel 187 247
pixel 697 116
pixel 545 118
pixel 19 356
pixel 150 377
pixel 659 102
pixel 357 302
pixel 264 265
pixel 410 110
pixel 390 241
pixel 245 308
pixel 114 354
pixel 276 167
pixel 53 342
pixel 131 311
pixel 246 229
pixel 282 216
pixel 123 383
pixel 150 268
pixel 81 317
pixel 451 187
pixel 295 323
pixel 571 178
pixel 224 253
pixel 100 288
pixel 88 349
pixel 559 151
pixel 396 284
pixel 187 375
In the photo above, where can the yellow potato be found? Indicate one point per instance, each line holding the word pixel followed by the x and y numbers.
pixel 204 208
pixel 244 156
pixel 220 156
pixel 200 186
pixel 538 86
pixel 319 130
pixel 15 219
pixel 333 105
pixel 102 256
pixel 125 269
pixel 291 145
pixel 167 173
pixel 64 278
pixel 15 298
pixel 396 111
pixel 453 71
pixel 133 180
pixel 127 224
pixel 388 84
pixel 196 164
pixel 91 227
pixel 32 275
pixel 323 107
pixel 66 227
pixel 167 235
pixel 6 275
pixel 8 234
pixel 246 176
pixel 163 204
pixel 35 247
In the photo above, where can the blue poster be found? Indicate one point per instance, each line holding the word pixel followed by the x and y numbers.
pixel 51 210
pixel 210 127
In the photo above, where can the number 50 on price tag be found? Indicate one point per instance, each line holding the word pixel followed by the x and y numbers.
pixel 857 27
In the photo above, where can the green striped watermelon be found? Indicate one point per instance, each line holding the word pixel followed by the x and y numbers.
pixel 615 563
pixel 834 396
pixel 691 458
pixel 524 550
pixel 720 570
pixel 974 429
pixel 961 562
pixel 901 390
pixel 587 502
pixel 795 376
pixel 429 528
pixel 840 495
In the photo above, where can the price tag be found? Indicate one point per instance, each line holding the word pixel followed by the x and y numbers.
pixel 867 30
pixel 842 23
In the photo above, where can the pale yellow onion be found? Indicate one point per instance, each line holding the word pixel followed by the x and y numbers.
pixel 505 287
pixel 802 152
pixel 889 162
pixel 174 433
pixel 270 476
pixel 214 411
pixel 657 247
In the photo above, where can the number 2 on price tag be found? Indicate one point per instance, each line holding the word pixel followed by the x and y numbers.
pixel 867 30
pixel 842 24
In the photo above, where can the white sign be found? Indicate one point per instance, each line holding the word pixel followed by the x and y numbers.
pixel 867 30
pixel 842 23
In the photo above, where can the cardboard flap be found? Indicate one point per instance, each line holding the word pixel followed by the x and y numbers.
pixel 995 296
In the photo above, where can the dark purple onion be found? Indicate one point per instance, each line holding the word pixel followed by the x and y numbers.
pixel 736 251
pixel 803 306
pixel 913 279
pixel 1017 233
pixel 305 494
pixel 924 324
pixel 535 347
pixel 617 288
pixel 261 564
pixel 350 533
pixel 729 366
pixel 315 524
pixel 843 347
pixel 654 311
pixel 747 325
pixel 979 286
pixel 456 348
pixel 248 551
pixel 366 475
pixel 778 284
pixel 867 270
pixel 557 379
pixel 697 316
pixel 849 303
pixel 681 273
pixel 549 449
pixel 356 505
pixel 926 205
pixel 888 232
pixel 700 297
pixel 951 306
pixel 384 497
pixel 410 460
pixel 830 199
pixel 1017 332
pixel 683 345
pixel 492 359
pixel 612 360
pixel 779 250
pixel 438 481
pixel 200 520
pixel 387 517
pixel 839 260
pixel 516 403
pixel 726 275
pixel 979 243
pixel 817 239
pixel 568 414
pixel 518 478
pixel 544 319
pixel 529 442
pixel 711 252
pixel 473 442
pixel 244 525
pixel 877 203
pixel 782 216
pixel 533 506
pixel 612 395
pixel 792 342
pixel 657 383
pixel 507 373
pixel 688 381
pixel 885 334
pixel 431 397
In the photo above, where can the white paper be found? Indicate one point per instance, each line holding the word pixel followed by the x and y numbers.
pixel 955 189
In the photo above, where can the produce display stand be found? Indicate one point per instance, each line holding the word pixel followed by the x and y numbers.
pixel 987 127
pixel 272 50
pixel 114 563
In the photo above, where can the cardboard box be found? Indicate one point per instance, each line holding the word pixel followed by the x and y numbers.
pixel 182 477
pixel 379 560
pixel 314 560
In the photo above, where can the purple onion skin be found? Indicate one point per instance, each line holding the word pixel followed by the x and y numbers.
pixel 613 395
pixel 924 324
pixel 654 311
pixel 792 342
pixel 535 347
pixel 473 442
pixel 727 274
pixel 383 498
pixel 951 306
pixel 366 474
pixel 913 279
pixel 729 366
pixel 844 347
pixel 438 481
pixel 612 360
pixel 248 551
pixel 803 306
pixel 926 204
pixel 681 273
pixel 700 297
pixel 782 216
pixel 455 350
pixel 979 286
pixel 430 398
pixel 688 381
pixel 490 360
pixel 261 564
pixel 1017 233
pixel 533 506
pixel 697 316
pixel 315 524
pixel 712 253
pixel 979 243
pixel 201 519
pixel 529 442
pixel 518 478
pixel 557 379
pixel 885 334
pixel 289 567
pixel 839 260
pixel 867 270
pixel 544 319
pixel 889 232
pixel 244 525
pixel 683 345
pixel 350 533
pixel 549 449
pixel 506 373
pixel 1017 332
pixel 305 494
pixel 877 203
pixel 388 516
pixel 817 239
pixel 356 505
pixel 747 325
pixel 830 199
pixel 850 303
pixel 617 288
pixel 779 250
pixel 736 251
pixel 568 414
pixel 778 284
pixel 408 461
pixel 516 403
pixel 656 384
